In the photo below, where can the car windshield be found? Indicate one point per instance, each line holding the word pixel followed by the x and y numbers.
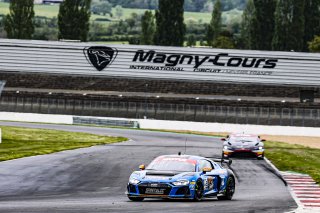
pixel 173 164
pixel 243 139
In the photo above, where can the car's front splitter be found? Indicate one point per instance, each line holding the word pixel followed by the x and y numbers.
pixel 257 153
pixel 176 192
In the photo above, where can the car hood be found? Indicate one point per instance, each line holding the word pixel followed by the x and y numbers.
pixel 161 176
pixel 242 144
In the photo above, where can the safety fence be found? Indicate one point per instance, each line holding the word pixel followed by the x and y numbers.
pixel 163 111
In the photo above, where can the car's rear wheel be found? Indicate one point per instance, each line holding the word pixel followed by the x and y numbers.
pixel 198 193
pixel 230 189
pixel 136 198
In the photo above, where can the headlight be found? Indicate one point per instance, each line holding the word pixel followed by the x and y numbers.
pixel 260 147
pixel 181 183
pixel 134 181
pixel 225 147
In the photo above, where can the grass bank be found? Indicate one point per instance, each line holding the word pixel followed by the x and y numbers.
pixel 24 142
pixel 292 157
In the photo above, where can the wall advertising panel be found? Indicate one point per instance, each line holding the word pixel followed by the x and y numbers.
pixel 155 62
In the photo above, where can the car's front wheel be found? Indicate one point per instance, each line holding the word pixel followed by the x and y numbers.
pixel 230 189
pixel 223 156
pixel 136 198
pixel 261 157
pixel 198 190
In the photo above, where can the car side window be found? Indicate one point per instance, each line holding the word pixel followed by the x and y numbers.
pixel 203 164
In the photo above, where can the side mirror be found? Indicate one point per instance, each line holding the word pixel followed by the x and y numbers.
pixel 206 169
pixel 229 161
pixel 142 167
pixel 223 139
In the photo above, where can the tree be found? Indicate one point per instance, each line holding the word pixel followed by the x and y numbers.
pixel 314 45
pixel 297 26
pixel 19 23
pixel 263 24
pixel 191 41
pixel 289 25
pixel 282 24
pixel 101 8
pixel 119 11
pixel 132 20
pixel 170 27
pixel 247 25
pixel 73 19
pixel 214 27
pixel 148 28
pixel 312 21
pixel 223 42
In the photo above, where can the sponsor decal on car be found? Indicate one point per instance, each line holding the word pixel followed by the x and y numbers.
pixel 151 177
pixel 154 191
pixel 208 183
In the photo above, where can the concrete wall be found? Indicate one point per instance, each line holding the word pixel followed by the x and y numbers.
pixel 173 125
pixel 36 118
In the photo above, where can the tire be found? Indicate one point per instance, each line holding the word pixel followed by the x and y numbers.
pixel 198 194
pixel 136 198
pixel 261 158
pixel 223 157
pixel 230 188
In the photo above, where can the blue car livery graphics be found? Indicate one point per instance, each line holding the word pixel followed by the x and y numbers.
pixel 183 177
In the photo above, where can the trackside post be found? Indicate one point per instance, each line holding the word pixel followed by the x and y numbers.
pixel 2 83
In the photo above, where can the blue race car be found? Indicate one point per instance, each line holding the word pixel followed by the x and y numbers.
pixel 182 177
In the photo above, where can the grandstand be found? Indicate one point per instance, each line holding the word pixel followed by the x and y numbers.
pixel 57 78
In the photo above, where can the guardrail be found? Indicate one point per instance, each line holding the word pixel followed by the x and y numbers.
pixel 171 125
pixel 105 122
pixel 273 116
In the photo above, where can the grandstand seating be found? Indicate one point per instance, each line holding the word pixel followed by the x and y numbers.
pixel 154 86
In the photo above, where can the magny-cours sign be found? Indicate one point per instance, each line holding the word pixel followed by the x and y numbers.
pixel 155 62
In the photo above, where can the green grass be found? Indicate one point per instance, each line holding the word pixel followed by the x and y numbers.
pixel 297 158
pixel 52 11
pixel 4 8
pixel 43 10
pixel 23 142
pixel 40 10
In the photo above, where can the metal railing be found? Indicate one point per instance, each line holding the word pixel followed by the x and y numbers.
pixel 183 112
pixel 2 84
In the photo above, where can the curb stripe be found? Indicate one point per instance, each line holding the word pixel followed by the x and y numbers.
pixel 308 196
pixel 310 201
pixel 309 193
pixel 304 190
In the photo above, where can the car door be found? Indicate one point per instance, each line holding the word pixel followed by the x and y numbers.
pixel 210 181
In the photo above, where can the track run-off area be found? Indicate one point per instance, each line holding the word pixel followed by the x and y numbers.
pixel 94 179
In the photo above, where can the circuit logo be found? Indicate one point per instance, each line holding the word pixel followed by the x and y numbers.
pixel 100 56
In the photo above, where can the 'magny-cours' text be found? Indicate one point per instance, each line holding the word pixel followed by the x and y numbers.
pixel 170 62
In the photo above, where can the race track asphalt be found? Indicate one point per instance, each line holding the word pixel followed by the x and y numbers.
pixel 94 179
